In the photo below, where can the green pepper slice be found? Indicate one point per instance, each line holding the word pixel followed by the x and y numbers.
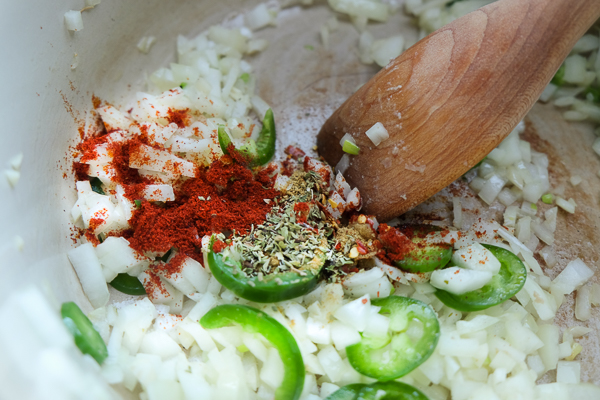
pixel 257 152
pixel 393 356
pixel 595 92
pixel 504 285
pixel 256 321
pixel 348 392
pixel 86 337
pixel 391 391
pixel 128 284
pixel 96 185
pixel 268 289
pixel 425 257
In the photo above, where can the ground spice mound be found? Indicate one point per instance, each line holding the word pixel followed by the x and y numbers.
pixel 179 117
pixel 396 244
pixel 120 163
pixel 224 197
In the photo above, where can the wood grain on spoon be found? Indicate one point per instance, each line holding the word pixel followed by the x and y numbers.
pixel 451 98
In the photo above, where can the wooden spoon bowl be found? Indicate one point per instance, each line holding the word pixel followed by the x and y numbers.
pixel 451 98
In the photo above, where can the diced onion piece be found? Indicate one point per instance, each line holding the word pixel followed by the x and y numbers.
pixel 160 344
pixel 281 183
pixel 89 271
pixel 257 45
pixel 145 43
pixel 568 372
pixel 549 334
pixel 347 137
pixel 260 17
pixel 195 273
pixel 550 222
pixel 576 180
pixel 507 197
pixel 457 210
pixel 159 193
pixel 273 369
pixel 146 157
pixel 317 331
pixel 114 253
pixel 356 313
pixel 523 230
pixel 510 216
pixel 385 50
pixel 353 201
pixel 331 362
pixel 573 115
pixel 544 303
pixel 575 274
pixel 343 164
pixel 458 281
pixel 378 324
pixel 542 232
pixel 595 294
pixel 343 335
pixel 491 188
pixel 340 185
pixel 363 277
pixel 259 106
pixel 73 20
pixel 477 258
pixel 377 133
pixel 586 43
pixel 381 287
pixel 579 331
pixel 575 69
pixel 582 304
pixel 12 176
pixel 377 11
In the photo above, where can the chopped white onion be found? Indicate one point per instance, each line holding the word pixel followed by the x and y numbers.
pixel 575 274
pixel 73 20
pixel 89 271
pixel 458 281
pixel 377 133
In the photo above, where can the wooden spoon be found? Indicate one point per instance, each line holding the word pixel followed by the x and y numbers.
pixel 451 98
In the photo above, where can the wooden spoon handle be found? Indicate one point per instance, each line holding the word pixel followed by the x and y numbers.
pixel 451 98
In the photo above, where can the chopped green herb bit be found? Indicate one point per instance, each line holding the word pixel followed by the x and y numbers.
pixel 242 348
pixel 183 85
pixel 96 185
pixel 138 203
pixel 101 237
pixel 309 47
pixel 559 77
pixel 534 206
pixel 548 198
pixel 245 77
pixel 350 148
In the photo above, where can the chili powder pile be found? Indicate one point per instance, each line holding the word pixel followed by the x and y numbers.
pixel 225 197
pixel 396 244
